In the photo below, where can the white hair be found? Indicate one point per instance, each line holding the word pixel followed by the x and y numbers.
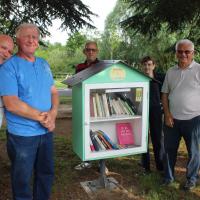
pixel 26 25
pixel 185 41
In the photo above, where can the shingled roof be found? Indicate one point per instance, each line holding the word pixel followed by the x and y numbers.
pixel 92 70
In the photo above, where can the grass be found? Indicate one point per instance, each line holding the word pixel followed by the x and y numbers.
pixel 124 169
pixel 63 99
pixel 60 85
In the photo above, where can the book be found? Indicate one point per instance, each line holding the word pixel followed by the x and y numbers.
pixel 124 133
pixel 124 97
pixel 126 110
pixel 91 107
pixel 105 103
pixel 91 145
pixel 94 142
pixel 102 147
pixel 109 105
pixel 114 146
pixel 95 106
pixel 121 106
pixel 102 105
pixel 104 141
pixel 99 111
pixel 129 108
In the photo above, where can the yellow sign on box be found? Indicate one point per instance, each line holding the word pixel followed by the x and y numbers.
pixel 117 73
pixel 138 96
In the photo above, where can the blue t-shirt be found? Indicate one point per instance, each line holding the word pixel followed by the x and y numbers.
pixel 31 82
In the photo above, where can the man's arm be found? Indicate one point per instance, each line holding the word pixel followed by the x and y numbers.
pixel 168 116
pixel 18 107
pixel 51 114
pixel 55 102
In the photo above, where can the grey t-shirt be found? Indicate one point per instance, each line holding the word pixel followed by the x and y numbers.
pixel 183 87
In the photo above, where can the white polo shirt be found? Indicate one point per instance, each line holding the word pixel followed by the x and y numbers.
pixel 183 87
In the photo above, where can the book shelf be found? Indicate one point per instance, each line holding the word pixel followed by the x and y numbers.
pixel 104 84
pixel 107 124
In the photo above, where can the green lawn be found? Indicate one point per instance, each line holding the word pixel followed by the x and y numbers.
pixel 63 99
pixel 59 84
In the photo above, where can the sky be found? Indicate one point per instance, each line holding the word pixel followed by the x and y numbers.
pixel 100 7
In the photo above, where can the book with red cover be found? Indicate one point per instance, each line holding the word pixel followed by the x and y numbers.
pixel 124 133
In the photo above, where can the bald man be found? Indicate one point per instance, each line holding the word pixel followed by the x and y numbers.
pixel 6 50
pixel 6 47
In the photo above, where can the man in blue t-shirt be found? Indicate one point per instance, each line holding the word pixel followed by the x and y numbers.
pixel 6 50
pixel 31 101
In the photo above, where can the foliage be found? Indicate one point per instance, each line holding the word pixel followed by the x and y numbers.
pixel 56 56
pixel 131 45
pixel 117 43
pixel 75 42
pixel 72 13
pixel 59 84
pixel 147 17
pixel 63 59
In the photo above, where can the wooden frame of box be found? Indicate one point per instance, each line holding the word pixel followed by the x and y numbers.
pixel 109 77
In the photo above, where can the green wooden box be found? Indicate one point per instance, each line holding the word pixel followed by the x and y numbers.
pixel 110 78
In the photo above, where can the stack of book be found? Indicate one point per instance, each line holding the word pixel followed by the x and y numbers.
pixel 106 105
pixel 100 141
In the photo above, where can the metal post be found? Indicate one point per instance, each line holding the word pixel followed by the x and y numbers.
pixel 103 180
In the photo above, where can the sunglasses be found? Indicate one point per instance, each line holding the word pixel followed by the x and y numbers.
pixel 184 52
pixel 88 50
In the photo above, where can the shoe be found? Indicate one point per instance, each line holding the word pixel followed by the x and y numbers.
pixel 106 171
pixel 83 165
pixel 167 182
pixel 189 186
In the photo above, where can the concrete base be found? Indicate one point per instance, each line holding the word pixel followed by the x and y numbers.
pixel 91 187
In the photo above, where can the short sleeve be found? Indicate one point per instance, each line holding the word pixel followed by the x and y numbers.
pixel 165 87
pixel 48 71
pixel 8 83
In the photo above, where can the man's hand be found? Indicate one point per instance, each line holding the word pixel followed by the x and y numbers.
pixel 169 121
pixel 48 119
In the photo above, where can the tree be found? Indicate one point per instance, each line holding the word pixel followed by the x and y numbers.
pixel 131 46
pixel 75 42
pixel 148 16
pixel 72 13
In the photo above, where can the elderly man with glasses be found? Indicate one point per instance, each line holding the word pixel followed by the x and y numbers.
pixel 181 97
pixel 91 52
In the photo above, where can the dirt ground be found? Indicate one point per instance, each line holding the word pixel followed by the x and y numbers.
pixel 63 126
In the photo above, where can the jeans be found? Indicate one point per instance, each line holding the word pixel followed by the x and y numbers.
pixel 190 131
pixel 155 127
pixel 29 155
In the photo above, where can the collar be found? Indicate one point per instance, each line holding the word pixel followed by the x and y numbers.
pixel 189 67
pixel 94 62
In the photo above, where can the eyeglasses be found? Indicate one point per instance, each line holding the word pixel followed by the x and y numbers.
pixel 184 52
pixel 88 50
